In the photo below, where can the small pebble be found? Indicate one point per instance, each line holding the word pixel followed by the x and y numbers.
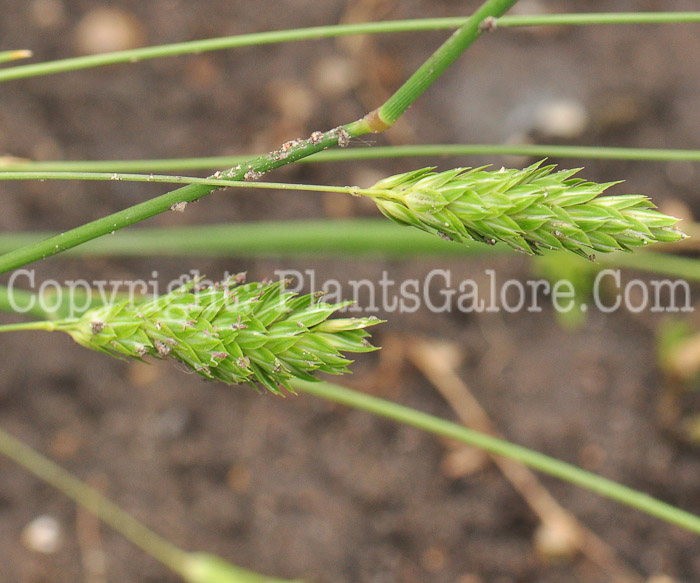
pixel 173 423
pixel 334 76
pixel 561 118
pixel 293 101
pixel 556 539
pixel 661 579
pixel 43 535
pixel 433 559
pixel 104 30
pixel 238 479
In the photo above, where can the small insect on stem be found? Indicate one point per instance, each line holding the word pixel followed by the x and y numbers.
pixel 96 326
pixel 252 175
pixel 178 207
pixel 488 24
pixel 343 137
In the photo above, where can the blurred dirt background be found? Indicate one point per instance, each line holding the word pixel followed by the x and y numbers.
pixel 300 488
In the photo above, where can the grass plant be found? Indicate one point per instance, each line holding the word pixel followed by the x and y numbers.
pixel 262 335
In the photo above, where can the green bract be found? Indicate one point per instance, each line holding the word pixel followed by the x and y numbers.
pixel 233 332
pixel 531 209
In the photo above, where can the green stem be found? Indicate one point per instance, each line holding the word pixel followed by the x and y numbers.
pixel 653 262
pixel 533 459
pixel 369 238
pixel 23 302
pixel 533 150
pixel 46 470
pixel 375 153
pixel 173 179
pixel 42 325
pixel 195 567
pixel 6 56
pixel 12 164
pixel 603 18
pixel 229 42
pixel 215 182
pixel 437 64
pixel 314 33
pixel 294 238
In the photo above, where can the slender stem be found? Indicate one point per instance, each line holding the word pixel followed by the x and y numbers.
pixel 12 164
pixel 6 56
pixel 369 238
pixel 603 18
pixel 653 262
pixel 23 302
pixel 172 179
pixel 216 182
pixel 296 238
pixel 126 525
pixel 314 33
pixel 229 42
pixel 42 325
pixel 438 63
pixel 378 152
pixel 534 150
pixel 196 567
pixel 533 459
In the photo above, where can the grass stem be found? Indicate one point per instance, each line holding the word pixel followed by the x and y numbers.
pixel 350 154
pixel 331 31
pixel 500 447
pixel 90 499
pixel 193 567
pixel 41 325
pixel 368 238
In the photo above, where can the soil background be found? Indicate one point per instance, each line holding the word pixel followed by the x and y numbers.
pixel 295 487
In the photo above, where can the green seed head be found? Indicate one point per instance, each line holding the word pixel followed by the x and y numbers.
pixel 531 209
pixel 233 332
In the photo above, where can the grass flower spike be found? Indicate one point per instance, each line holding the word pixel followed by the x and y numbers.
pixel 233 332
pixel 531 209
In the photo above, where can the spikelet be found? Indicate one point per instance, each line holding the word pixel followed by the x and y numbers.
pixel 233 332
pixel 531 209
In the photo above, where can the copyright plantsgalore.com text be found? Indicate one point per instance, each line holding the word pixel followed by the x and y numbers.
pixel 438 291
